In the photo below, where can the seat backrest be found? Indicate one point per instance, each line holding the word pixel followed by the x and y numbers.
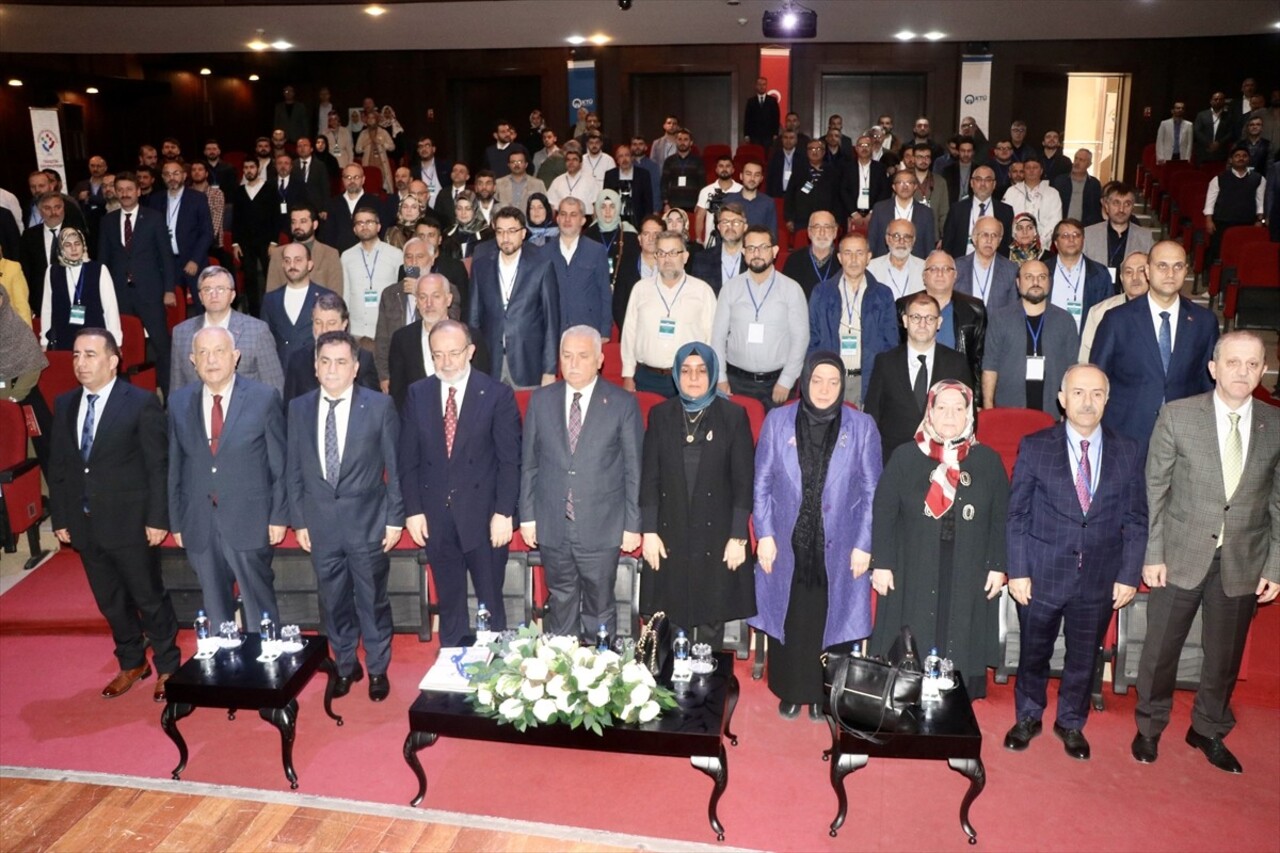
pixel 1235 240
pixel 13 434
pixel 612 368
pixel 133 349
pixel 1002 429
pixel 647 400
pixel 58 378
pixel 1260 265
pixel 755 413
pixel 373 180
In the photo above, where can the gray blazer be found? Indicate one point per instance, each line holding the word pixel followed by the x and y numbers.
pixel 604 472
pixel 1095 242
pixel 1003 288
pixel 1188 506
pixel 258 358
pixel 1006 353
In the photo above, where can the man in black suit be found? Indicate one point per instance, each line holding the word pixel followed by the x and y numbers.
pixel 959 172
pixel 633 185
pixel 963 326
pixel 762 117
pixel 902 377
pixel 964 214
pixel 311 173
pixel 328 314
pixel 786 157
pixel 39 247
pixel 409 353
pixel 431 170
pixel 286 190
pixel 134 246
pixel 345 507
pixel 251 232
pixel 862 184
pixel 107 496
pixel 1213 131
pixel 337 230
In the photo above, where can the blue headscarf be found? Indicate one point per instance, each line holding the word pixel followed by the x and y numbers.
pixel 708 355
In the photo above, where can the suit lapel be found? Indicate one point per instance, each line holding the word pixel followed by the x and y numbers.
pixel 472 402
pixel 356 425
pixel 108 413
pixel 232 410
pixel 1186 332
pixel 1063 464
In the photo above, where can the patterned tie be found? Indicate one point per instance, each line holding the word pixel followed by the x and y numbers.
pixel 86 433
pixel 1166 340
pixel 1084 477
pixel 1232 463
pixel 450 421
pixel 575 430
pixel 215 424
pixel 128 231
pixel 921 387
pixel 332 465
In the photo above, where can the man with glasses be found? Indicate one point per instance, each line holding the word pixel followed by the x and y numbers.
pixel 1154 349
pixel 814 186
pixel 817 263
pixel 761 327
pixel 716 267
pixel 963 323
pixel 1076 283
pixel 367 267
pixel 985 273
pixel 901 271
pixel 964 215
pixel 902 205
pixel 253 340
pixel 1114 239
pixel 931 189
pixel 862 185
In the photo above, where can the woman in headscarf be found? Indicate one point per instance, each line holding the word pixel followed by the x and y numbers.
pixel 616 234
pixel 408 215
pixel 817 465
pixel 331 164
pixel 1026 240
pixel 387 121
pixel 13 282
pixel 939 539
pixel 695 500
pixel 540 221
pixel 78 292
pixel 677 220
pixel 469 227
pixel 374 145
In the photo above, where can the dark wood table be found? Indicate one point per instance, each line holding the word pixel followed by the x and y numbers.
pixel 948 732
pixel 696 730
pixel 233 679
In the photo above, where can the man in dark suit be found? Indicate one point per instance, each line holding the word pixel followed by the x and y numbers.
pixel 311 173
pixel 39 247
pixel 580 485
pixel 963 326
pixel 958 174
pixel 581 271
pixel 409 353
pixel 328 314
pixel 863 184
pixel 287 311
pixel 431 169
pixel 1077 529
pixel 254 216
pixel 515 306
pixel 1213 131
pixel 984 273
pixel 227 499
pixel 190 226
pixel 1090 211
pixel 633 185
pixel 1077 283
pixel 345 507
pixel 107 473
pixel 460 475
pixel 1154 349
pixel 786 157
pixel 134 246
pixel 964 215
pixel 815 186
pixel 1215 525
pixel 903 200
pixel 337 230
pixel 900 384
pixel 285 190
pixel 761 119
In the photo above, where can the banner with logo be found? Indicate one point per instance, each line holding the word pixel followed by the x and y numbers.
pixel 582 89
pixel 975 90
pixel 48 139
pixel 775 66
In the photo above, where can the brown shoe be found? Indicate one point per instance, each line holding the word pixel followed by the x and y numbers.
pixel 160 680
pixel 122 682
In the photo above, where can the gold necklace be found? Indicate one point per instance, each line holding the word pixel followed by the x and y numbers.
pixel 692 422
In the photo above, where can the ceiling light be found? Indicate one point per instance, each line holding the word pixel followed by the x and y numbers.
pixel 934 35
pixel 257 44
pixel 576 40
pixel 253 78
pixel 15 82
pixel 375 11
pixel 281 44
pixel 600 39
pixel 205 72
pixel 92 90
pixel 904 35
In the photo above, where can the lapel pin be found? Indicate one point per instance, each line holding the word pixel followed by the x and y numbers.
pixel 968 512
pixel 965 479
pixel 844 439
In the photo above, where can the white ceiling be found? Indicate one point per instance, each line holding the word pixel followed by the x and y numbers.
pixel 50 28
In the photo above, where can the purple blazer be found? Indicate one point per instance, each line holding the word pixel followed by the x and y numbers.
pixel 846 517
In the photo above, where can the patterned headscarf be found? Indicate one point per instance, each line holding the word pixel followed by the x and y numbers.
pixel 1019 254
pixel 949 453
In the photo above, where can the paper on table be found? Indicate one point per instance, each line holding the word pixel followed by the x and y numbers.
pixel 448 672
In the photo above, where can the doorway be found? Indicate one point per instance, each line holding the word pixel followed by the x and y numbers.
pixel 1097 114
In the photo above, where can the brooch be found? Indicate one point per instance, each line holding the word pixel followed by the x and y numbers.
pixel 965 479
pixel 844 439
pixel 967 513
pixel 710 435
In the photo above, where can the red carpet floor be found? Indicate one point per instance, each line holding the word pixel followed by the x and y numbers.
pixel 779 795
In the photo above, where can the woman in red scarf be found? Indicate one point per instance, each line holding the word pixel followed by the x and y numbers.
pixel 937 539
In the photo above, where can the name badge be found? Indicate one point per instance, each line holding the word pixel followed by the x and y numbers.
pixel 371 299
pixel 1112 272
pixel 1075 308
pixel 666 328
pixel 807 188
pixel 1035 368
pixel 682 181
pixel 77 315
pixel 755 333
pixel 284 207
pixel 849 345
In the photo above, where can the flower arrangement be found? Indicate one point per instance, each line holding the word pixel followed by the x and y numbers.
pixel 537 679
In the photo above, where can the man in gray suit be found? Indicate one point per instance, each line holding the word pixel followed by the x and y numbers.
pixel 984 272
pixel 1111 241
pixel 257 348
pixel 1213 488
pixel 580 485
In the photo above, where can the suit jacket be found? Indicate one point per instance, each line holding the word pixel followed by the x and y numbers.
pixel 1189 507
pixel 1064 550
pixel 851 187
pixel 776 167
pixel 969 325
pixel 921 216
pixel 366 500
pixel 408 363
pixel 337 228
pixel 525 332
pixel 290 336
pixel 879 320
pixel 259 358
pixel 316 185
pixel 1202 131
pixel 296 192
pixel 1091 207
pixel 810 191
pixel 253 224
pixel 1096 287
pixel 955 233
pixel 1127 351
pixel 482 476
pixel 239 491
pixel 326 268
pixel 124 478
pixel 585 295
pixel 760 122
pixel 1002 288
pixel 606 495
pixel 144 272
pixel 300 374
pixel 890 399
pixel 706 266
pixel 1164 140
pixel 34 260
pixel 1095 243
pixel 194 231
pixel 1006 355
pixel 641 192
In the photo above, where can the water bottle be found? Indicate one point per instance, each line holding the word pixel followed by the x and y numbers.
pixel 680 646
pixel 933 664
pixel 482 618
pixel 267 628
pixel 202 625
pixel 602 638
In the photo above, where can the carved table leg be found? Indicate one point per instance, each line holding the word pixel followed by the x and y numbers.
pixel 977 775
pixel 718 769
pixel 328 667
pixel 730 703
pixel 285 719
pixel 842 764
pixel 173 712
pixel 412 744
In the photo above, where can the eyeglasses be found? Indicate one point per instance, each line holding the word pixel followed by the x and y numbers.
pixel 923 319
pixel 981 180
pixel 669 253
pixel 940 270
pixel 451 354
pixel 216 290
pixel 761 249
pixel 822 228
pixel 901 238
pixel 738 223
pixel 507 232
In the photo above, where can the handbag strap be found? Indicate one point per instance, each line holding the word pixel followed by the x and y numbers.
pixel 838 687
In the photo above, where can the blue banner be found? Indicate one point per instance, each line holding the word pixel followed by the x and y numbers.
pixel 582 90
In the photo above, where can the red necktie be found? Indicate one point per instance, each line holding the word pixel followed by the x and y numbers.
pixel 215 424
pixel 128 231
pixel 450 421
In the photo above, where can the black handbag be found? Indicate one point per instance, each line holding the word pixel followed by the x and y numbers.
pixel 867 696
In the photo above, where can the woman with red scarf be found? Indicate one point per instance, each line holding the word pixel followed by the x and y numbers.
pixel 938 539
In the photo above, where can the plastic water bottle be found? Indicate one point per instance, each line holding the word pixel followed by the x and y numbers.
pixel 202 625
pixel 680 646
pixel 602 638
pixel 933 664
pixel 482 618
pixel 267 628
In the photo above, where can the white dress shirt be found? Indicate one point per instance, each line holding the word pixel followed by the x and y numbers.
pixel 206 405
pixel 428 364
pixel 366 275
pixel 913 363
pixel 1156 320
pixel 98 405
pixel 460 385
pixel 586 392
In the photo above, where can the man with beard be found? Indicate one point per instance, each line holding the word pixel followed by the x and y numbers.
pixel 325 260
pixel 818 262
pixel 251 232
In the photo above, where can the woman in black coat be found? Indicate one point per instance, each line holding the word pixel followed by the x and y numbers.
pixel 695 500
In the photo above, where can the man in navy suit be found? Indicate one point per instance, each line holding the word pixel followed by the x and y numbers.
pixel 963 216
pixel 581 270
pixel 337 230
pixel 1155 349
pixel 1077 535
pixel 902 201
pixel 328 314
pixel 1076 283
pixel 287 310
pixel 345 507
pixel 515 306
pixel 227 499
pixel 134 246
pixel 460 476
pixel 189 225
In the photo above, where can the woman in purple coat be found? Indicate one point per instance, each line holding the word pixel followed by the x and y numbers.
pixel 817 465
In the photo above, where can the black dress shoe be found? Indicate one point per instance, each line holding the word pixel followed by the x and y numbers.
pixel 379 687
pixel 343 685
pixel 788 711
pixel 816 714
pixel 1073 742
pixel 1020 736
pixel 1214 750
pixel 1145 749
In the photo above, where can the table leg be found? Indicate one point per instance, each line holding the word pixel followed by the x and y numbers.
pixel 331 670
pixel 977 775
pixel 842 764
pixel 173 712
pixel 412 744
pixel 285 719
pixel 717 767
pixel 730 703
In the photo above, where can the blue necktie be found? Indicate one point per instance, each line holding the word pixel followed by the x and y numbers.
pixel 86 433
pixel 1166 340
pixel 332 464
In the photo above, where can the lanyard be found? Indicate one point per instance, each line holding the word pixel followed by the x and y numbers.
pixel 1073 453
pixel 595 165
pixel 675 298
pixel 825 271
pixel 729 270
pixel 608 247
pixel 1075 286
pixel 1121 242
pixel 79 274
pixel 1035 335
pixel 851 310
pixel 751 292
pixel 572 184
pixel 370 270
pixel 507 284
pixel 893 281
pixel 977 282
